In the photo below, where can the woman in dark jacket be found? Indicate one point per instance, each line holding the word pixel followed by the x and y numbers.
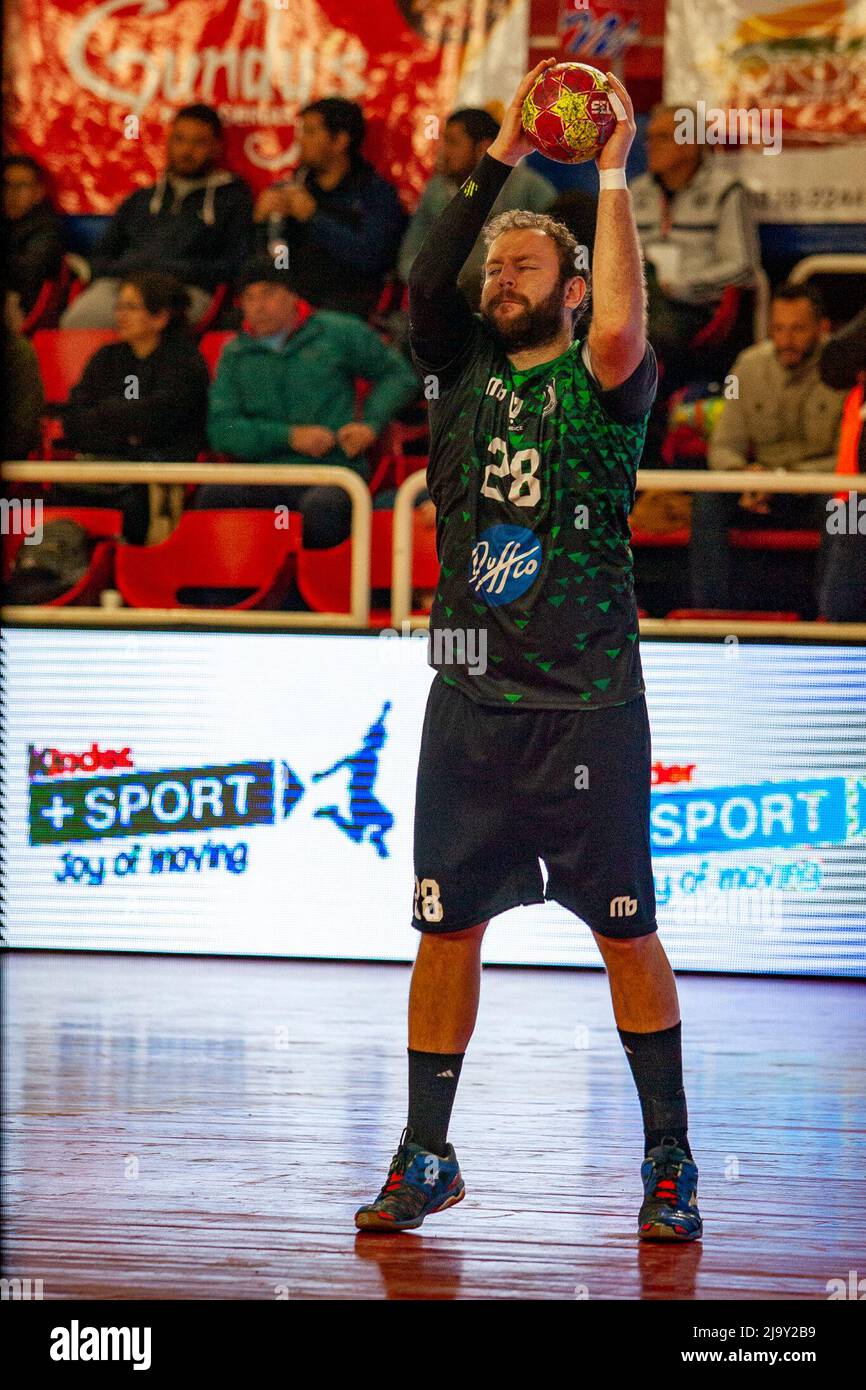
pixel 143 398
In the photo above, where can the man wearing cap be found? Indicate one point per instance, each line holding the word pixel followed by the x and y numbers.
pixel 285 392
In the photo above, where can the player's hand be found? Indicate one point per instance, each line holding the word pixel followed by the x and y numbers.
pixel 512 143
pixel 615 152
pixel 355 437
pixel 314 440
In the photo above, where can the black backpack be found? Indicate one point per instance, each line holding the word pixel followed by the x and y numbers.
pixel 52 566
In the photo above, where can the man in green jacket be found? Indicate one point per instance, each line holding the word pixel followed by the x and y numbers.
pixel 285 392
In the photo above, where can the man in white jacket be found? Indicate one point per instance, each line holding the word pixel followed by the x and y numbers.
pixel 697 230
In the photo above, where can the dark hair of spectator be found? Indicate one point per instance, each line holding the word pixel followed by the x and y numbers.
pixel 804 291
pixel 261 269
pixel 340 115
pixel 25 162
pixel 578 210
pixel 199 112
pixel 162 291
pixel 478 124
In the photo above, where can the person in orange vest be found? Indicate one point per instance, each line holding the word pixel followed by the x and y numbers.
pixel 842 586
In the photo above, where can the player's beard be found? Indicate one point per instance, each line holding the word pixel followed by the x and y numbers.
pixel 532 327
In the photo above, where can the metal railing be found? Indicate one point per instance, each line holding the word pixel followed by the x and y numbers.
pixel 660 480
pixel 829 263
pixel 29 471
pixel 401 564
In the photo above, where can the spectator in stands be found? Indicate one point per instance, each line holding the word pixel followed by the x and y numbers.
pixel 783 417
pixel 195 224
pixel 22 383
pixel 341 221
pixel 842 364
pixel 144 397
pixel 285 393
pixel 696 226
pixel 467 135
pixel 578 211
pixel 34 244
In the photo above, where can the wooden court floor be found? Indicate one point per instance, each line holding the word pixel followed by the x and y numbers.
pixel 193 1129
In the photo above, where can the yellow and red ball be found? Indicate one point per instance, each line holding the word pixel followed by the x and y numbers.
pixel 568 114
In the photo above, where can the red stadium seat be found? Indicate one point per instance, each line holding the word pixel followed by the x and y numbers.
pixel 721 325
pixel 211 346
pixel 393 469
pixel 50 301
pixel 733 615
pixel 104 523
pixel 63 354
pixel 774 540
pixel 391 299
pixel 660 539
pixel 52 433
pixel 211 313
pixel 77 287
pixel 758 539
pixel 396 435
pixel 324 576
pixel 233 549
pixel 40 308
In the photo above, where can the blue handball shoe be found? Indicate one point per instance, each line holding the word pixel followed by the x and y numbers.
pixel 419 1183
pixel 670 1203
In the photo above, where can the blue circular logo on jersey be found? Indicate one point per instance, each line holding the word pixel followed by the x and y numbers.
pixel 505 563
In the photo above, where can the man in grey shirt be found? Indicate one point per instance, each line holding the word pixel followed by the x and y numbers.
pixel 783 417
pixel 468 133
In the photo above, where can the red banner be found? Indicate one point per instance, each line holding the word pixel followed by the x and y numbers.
pixel 92 84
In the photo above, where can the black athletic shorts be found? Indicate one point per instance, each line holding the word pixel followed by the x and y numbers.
pixel 497 790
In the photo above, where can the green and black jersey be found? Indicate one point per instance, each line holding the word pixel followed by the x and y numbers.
pixel 533 476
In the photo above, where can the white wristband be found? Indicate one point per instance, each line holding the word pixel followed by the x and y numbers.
pixel 611 178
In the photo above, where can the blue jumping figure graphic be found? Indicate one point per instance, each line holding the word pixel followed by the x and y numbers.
pixel 366 812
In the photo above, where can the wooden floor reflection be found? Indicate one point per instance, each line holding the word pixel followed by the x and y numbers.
pixel 182 1128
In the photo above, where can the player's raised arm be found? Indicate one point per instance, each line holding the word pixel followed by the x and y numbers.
pixel 617 337
pixel 439 317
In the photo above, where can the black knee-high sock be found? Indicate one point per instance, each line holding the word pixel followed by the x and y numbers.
pixel 433 1078
pixel 656 1061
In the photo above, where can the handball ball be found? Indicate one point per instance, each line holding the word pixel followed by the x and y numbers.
pixel 568 115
